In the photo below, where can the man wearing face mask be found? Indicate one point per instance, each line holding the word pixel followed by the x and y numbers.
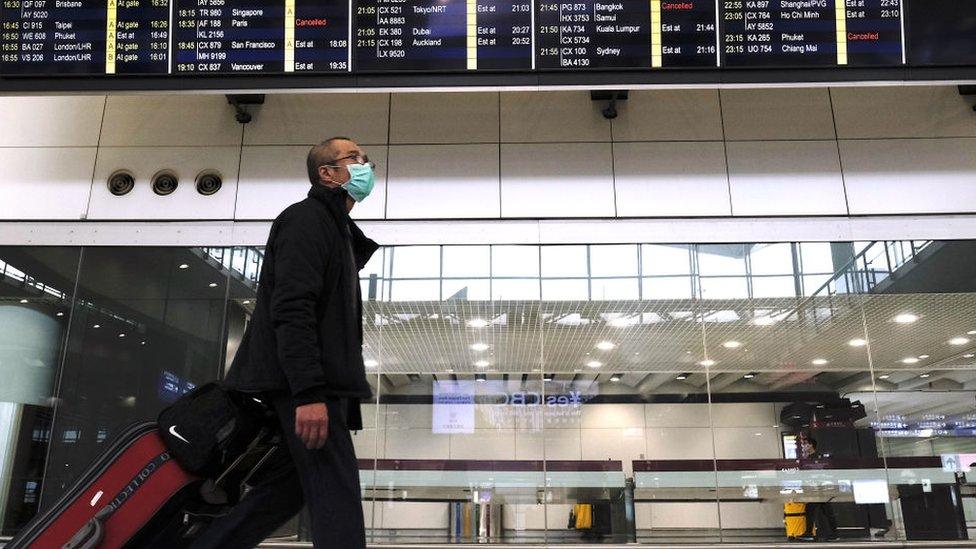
pixel 303 351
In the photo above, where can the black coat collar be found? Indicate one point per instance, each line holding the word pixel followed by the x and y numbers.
pixel 335 199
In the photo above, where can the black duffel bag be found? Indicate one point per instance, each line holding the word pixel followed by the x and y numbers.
pixel 211 427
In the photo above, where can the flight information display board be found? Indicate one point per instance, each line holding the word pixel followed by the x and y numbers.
pixel 199 37
pixel 438 35
pixel 804 33
pixel 623 34
pixel 246 36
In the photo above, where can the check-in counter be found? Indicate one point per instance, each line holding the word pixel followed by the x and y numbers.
pixel 861 480
pixel 860 491
pixel 491 500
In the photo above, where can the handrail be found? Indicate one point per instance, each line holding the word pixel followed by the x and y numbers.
pixel 846 269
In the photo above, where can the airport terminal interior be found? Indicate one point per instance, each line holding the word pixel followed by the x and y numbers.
pixel 690 323
pixel 666 391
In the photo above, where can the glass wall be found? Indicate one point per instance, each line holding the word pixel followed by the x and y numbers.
pixel 36 290
pixel 681 393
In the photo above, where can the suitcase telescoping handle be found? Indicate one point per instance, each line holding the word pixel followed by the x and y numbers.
pixel 90 535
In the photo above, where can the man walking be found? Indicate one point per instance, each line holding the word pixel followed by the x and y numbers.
pixel 303 350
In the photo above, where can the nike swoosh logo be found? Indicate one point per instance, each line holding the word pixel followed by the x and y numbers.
pixel 172 431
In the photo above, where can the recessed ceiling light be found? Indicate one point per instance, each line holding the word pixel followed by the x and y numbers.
pixel 707 363
pixel 750 375
pixel 97 326
pixel 247 301
pixel 906 318
pixel 968 355
pixel 478 323
pixel 480 347
pixel 763 321
pixel 59 314
pixel 480 377
pixel 909 360
pixel 121 335
pixel 682 377
pixel 615 378
pixel 548 377
pixel 923 376
pixel 23 301
pixel 959 341
pixel 606 346
pixel 213 284
pixel 481 364
pixel 884 376
pixel 184 266
pixel 142 343
pixel 971 332
pixel 450 370
pixel 370 363
pixel 731 345
pixel 922 357
pixel 594 364
pixel 857 342
pixel 819 361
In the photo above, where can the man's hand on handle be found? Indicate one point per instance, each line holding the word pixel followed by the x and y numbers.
pixel 312 424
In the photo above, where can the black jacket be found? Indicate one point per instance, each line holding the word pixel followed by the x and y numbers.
pixel 306 333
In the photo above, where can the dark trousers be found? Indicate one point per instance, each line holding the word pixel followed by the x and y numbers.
pixel 327 480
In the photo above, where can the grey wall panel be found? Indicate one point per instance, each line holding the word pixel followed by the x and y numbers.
pixel 45 183
pixel 669 115
pixel 444 118
pixel 784 113
pixel 443 181
pixel 557 180
pixel 910 175
pixel 50 121
pixel 786 178
pixel 306 119
pixel 169 120
pixel 671 179
pixel 539 117
pixel 904 111
pixel 769 176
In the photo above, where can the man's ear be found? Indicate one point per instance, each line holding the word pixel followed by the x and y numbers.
pixel 324 174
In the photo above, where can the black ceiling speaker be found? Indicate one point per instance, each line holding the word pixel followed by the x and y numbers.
pixel 164 183
pixel 120 183
pixel 209 183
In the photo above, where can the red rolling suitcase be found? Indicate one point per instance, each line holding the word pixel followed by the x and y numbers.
pixel 136 496
pixel 156 490
pixel 124 493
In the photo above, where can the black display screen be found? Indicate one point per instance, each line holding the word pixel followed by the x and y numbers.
pixel 943 32
pixel 362 37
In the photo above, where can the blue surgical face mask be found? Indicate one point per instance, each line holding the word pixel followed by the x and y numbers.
pixel 361 180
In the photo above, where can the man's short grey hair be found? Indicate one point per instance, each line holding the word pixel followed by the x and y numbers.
pixel 319 155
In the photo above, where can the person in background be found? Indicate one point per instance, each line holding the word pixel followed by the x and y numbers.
pixel 820 521
pixel 808 446
pixel 303 351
